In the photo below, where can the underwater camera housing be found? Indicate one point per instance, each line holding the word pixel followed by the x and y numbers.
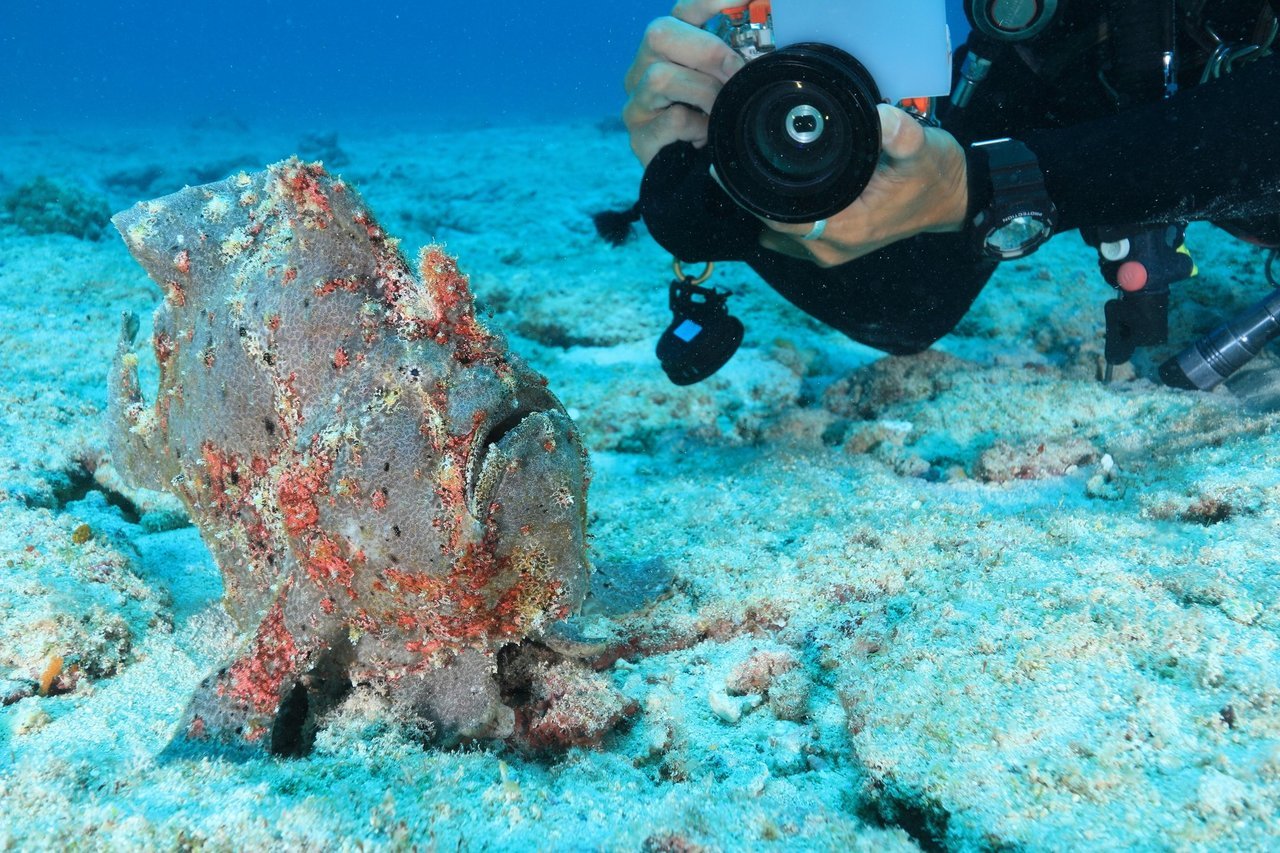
pixel 795 135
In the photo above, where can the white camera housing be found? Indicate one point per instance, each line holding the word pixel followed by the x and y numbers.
pixel 904 44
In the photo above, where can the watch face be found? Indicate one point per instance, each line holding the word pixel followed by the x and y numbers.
pixel 1018 236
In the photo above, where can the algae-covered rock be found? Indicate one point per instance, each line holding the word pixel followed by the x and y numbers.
pixel 43 207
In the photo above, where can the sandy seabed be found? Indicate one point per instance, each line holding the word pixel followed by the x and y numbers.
pixel 973 599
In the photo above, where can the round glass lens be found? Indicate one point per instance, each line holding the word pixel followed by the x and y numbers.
pixel 797 133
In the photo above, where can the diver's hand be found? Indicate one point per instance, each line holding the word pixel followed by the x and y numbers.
pixel 675 78
pixel 919 186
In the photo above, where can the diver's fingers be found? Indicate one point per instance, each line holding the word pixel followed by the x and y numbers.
pixel 784 245
pixel 675 123
pixel 698 12
pixel 669 40
pixel 665 84
pixel 786 228
pixel 822 253
pixel 789 246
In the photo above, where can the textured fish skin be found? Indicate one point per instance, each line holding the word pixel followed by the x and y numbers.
pixel 390 494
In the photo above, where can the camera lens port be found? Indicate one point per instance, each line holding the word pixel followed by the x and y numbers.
pixel 795 135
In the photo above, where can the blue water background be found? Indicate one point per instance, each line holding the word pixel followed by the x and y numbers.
pixel 143 61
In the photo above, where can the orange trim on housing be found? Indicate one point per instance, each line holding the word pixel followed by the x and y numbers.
pixel 920 106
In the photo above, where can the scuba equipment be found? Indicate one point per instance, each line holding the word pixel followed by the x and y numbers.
pixel 1140 264
pixel 1142 261
pixel 703 335
pixel 1010 20
pixel 1137 49
pixel 996 24
pixel 1233 40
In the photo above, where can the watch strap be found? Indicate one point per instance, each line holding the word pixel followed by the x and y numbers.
pixel 978 176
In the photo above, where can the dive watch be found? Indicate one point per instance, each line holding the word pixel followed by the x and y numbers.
pixel 1020 216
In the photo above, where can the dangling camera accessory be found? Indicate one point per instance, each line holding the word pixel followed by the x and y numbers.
pixel 703 335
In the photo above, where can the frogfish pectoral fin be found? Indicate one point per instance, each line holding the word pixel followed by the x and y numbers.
pixel 134 428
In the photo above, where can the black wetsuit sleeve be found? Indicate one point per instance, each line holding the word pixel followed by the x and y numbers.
pixel 1211 152
pixel 900 299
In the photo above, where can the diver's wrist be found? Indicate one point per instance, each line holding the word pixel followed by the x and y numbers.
pixel 952 212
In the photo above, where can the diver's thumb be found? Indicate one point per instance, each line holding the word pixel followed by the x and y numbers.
pixel 901 136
